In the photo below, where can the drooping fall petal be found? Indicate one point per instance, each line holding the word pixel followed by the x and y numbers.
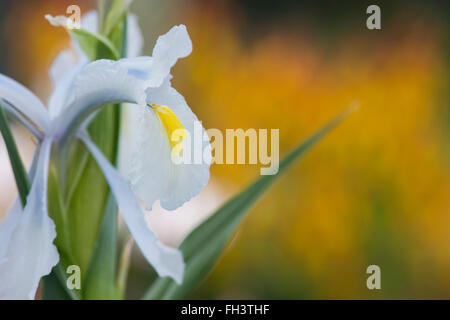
pixel 166 261
pixel 31 253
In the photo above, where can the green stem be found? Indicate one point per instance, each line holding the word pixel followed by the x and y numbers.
pixel 124 265
pixel 20 174
pixel 101 15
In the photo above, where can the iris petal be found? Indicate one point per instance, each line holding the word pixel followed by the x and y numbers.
pixel 12 218
pixel 24 100
pixel 8 226
pixel 31 253
pixel 166 261
pixel 62 73
pixel 151 171
pixel 100 83
pixel 170 47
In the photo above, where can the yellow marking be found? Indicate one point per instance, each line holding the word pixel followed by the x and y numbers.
pixel 171 123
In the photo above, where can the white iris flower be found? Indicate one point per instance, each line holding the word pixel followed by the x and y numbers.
pixel 153 111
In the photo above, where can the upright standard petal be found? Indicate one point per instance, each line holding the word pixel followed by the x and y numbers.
pixel 166 261
pixel 89 21
pixel 135 40
pixel 24 100
pixel 152 172
pixel 62 73
pixel 68 63
pixel 31 253
pixel 169 48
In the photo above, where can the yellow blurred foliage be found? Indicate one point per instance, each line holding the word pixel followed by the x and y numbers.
pixel 375 191
pixel 383 173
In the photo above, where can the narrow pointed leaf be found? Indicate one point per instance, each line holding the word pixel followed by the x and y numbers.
pixel 53 289
pixel 100 279
pixel 115 14
pixel 95 45
pixel 87 179
pixel 20 174
pixel 54 286
pixel 202 247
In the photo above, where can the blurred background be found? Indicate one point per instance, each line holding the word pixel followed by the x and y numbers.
pixel 375 191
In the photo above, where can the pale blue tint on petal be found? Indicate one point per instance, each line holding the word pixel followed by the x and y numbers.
pixel 24 100
pixel 31 253
pixel 140 67
pixel 167 261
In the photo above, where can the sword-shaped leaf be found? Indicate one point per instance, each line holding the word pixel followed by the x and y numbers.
pixel 203 245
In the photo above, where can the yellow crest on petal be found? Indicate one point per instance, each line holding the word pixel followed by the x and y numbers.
pixel 174 128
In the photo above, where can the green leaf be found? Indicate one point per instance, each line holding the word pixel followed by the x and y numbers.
pixel 203 245
pixel 101 11
pixel 115 15
pixel 118 34
pixel 100 279
pixel 52 289
pixel 95 46
pixel 92 218
pixel 58 212
pixel 90 196
pixel 54 286
pixel 100 282
pixel 20 174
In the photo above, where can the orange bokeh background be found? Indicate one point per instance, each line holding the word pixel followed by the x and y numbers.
pixel 375 191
